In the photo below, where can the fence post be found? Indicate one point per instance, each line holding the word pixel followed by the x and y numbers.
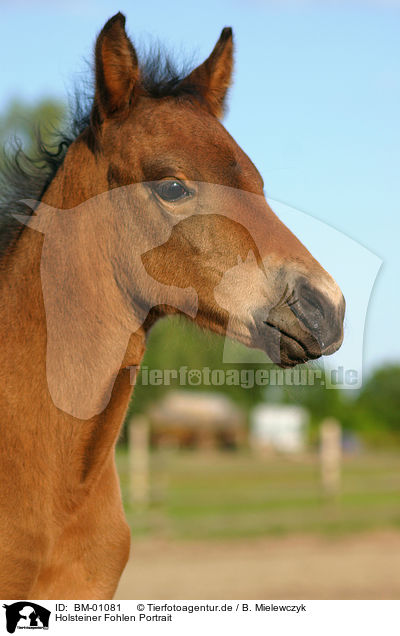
pixel 139 460
pixel 331 455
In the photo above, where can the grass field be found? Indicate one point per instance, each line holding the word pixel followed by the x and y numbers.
pixel 197 496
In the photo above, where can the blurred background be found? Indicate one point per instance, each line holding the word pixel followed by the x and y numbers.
pixel 286 489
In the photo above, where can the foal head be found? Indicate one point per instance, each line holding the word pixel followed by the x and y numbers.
pixel 250 273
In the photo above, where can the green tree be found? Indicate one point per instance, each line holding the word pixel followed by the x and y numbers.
pixel 377 409
pixel 25 122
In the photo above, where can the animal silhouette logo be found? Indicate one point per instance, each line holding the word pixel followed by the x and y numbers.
pixel 26 615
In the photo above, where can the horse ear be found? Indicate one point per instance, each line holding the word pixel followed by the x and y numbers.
pixel 117 69
pixel 213 78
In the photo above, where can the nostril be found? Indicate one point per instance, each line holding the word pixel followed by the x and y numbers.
pixel 319 312
pixel 309 298
pixel 311 305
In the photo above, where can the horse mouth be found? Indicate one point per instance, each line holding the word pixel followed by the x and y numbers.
pixel 289 350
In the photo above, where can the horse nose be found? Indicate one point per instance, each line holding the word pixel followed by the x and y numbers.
pixel 322 313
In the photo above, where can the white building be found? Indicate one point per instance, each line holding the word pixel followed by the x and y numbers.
pixel 280 427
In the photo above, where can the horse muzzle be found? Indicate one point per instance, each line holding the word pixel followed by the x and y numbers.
pixel 307 325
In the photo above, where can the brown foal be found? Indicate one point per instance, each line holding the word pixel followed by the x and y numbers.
pixel 179 204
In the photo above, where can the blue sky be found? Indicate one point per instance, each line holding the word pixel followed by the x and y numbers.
pixel 315 104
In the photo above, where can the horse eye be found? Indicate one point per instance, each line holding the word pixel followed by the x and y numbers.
pixel 171 191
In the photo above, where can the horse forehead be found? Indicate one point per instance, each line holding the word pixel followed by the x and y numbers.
pixel 173 133
pixel 190 133
pixel 183 120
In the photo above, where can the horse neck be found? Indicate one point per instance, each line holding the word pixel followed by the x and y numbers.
pixel 71 450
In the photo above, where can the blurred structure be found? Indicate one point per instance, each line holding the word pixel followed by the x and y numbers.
pixel 188 419
pixel 331 455
pixel 278 427
pixel 139 460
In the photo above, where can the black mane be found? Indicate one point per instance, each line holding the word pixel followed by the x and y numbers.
pixel 161 76
pixel 27 177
